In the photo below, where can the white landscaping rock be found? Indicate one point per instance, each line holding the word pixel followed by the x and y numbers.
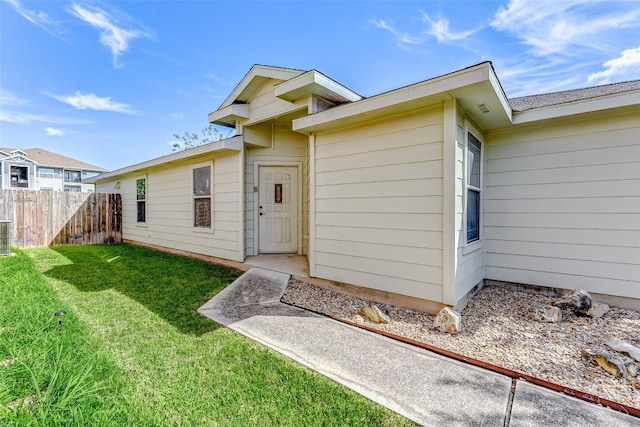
pixel 374 314
pixel 624 347
pixel 547 314
pixel 448 321
pixel 615 365
pixel 597 310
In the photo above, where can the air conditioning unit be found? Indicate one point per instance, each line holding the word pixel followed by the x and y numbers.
pixel 5 237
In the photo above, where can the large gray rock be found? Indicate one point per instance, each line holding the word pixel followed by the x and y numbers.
pixel 374 314
pixel 547 314
pixel 448 321
pixel 579 301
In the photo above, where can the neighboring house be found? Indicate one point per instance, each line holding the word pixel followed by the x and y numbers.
pixel 38 169
pixel 417 194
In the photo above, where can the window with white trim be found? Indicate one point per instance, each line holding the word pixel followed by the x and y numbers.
pixel 141 200
pixel 46 173
pixel 474 187
pixel 202 212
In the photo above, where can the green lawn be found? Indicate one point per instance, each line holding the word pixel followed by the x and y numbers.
pixel 132 350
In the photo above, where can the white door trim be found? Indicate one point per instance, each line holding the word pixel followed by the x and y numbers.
pixel 256 223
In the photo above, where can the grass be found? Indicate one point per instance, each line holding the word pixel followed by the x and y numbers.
pixel 133 351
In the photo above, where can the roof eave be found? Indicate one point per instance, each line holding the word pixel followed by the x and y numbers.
pixel 425 93
pixel 315 83
pixel 227 116
pixel 231 144
pixel 601 103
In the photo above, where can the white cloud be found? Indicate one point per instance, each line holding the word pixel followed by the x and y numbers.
pixel 8 98
pixel 624 67
pixel 53 131
pixel 440 29
pixel 214 77
pixel 18 117
pixel 37 17
pixel 112 35
pixel 558 27
pixel 401 38
pixel 84 101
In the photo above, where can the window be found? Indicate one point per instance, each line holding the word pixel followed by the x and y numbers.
pixel 474 164
pixel 202 197
pixel 45 172
pixel 141 199
pixel 46 188
pixel 89 174
pixel 71 189
pixel 72 176
pixel 20 176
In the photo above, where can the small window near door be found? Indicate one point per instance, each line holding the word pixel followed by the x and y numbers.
pixel 474 152
pixel 141 199
pixel 202 197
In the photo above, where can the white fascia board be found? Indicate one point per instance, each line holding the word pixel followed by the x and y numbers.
pixel 502 97
pixel 314 83
pixel 227 116
pixel 370 108
pixel 602 103
pixel 235 143
pixel 17 157
pixel 260 72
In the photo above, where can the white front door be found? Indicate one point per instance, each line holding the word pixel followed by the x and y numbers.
pixel 278 209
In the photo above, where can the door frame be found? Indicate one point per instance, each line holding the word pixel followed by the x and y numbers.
pixel 257 164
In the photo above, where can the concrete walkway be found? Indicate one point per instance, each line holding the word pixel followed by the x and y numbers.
pixel 423 386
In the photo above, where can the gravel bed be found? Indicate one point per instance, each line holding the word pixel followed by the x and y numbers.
pixel 497 328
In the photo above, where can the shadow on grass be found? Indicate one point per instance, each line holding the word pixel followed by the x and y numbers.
pixel 173 287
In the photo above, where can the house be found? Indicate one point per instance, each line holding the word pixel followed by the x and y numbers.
pixel 38 169
pixel 418 195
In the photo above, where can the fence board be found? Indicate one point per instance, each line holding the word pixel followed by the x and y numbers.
pixel 46 218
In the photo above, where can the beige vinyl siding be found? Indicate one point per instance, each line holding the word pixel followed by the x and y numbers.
pixel 288 146
pixel 169 208
pixel 562 205
pixel 470 264
pixel 379 204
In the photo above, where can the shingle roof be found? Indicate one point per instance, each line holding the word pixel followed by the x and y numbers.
pixel 555 98
pixel 48 158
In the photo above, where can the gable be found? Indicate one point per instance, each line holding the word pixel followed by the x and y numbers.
pixel 270 93
pixel 253 81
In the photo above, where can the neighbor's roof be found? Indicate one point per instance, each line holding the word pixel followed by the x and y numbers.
pixel 556 98
pixel 48 158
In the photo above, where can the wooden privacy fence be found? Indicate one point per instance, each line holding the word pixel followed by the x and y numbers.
pixel 56 218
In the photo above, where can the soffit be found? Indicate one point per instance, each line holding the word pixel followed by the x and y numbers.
pixel 476 88
pixel 314 83
pixel 227 116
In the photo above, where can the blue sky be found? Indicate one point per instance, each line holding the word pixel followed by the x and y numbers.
pixel 109 82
